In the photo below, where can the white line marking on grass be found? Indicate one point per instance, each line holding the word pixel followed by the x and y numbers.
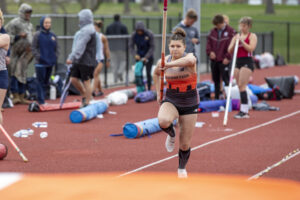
pixel 214 141
pixel 286 158
pixel 7 179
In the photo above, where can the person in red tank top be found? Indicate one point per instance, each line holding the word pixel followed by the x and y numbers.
pixel 244 63
pixel 181 100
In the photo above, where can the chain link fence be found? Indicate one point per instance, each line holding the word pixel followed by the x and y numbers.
pixel 272 37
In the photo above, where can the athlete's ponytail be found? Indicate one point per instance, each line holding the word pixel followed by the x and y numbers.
pixel 178 34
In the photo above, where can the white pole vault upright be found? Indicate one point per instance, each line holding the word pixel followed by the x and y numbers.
pixel 230 82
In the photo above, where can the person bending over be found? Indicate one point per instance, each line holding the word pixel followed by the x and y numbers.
pixel 181 100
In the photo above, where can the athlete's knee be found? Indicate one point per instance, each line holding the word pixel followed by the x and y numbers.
pixel 184 147
pixel 74 80
pixel 164 122
pixel 242 86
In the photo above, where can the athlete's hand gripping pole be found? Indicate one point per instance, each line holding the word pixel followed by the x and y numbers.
pixel 163 46
pixel 13 144
pixel 230 82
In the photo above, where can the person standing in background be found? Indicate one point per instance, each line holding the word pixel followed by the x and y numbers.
pixel 244 62
pixel 217 45
pixel 192 35
pixel 6 103
pixel 7 58
pixel 4 46
pixel 117 27
pixel 226 19
pixel 118 57
pixel 83 56
pixel 20 30
pixel 45 51
pixel 102 50
pixel 143 40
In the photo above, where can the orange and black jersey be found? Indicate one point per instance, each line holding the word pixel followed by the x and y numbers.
pixel 182 87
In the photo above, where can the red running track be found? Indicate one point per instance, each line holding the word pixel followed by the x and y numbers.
pixel 87 147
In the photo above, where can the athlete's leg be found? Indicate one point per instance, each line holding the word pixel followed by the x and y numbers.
pixel 166 115
pixel 215 71
pixel 2 95
pixel 149 74
pixel 187 126
pixel 78 85
pixel 236 75
pixel 88 90
pixel 244 76
pixel 97 82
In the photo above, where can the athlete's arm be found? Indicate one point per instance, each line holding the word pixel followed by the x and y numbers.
pixel 231 45
pixel 156 76
pixel 253 42
pixel 187 61
pixel 4 41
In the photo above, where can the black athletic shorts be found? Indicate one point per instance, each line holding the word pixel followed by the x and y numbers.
pixel 184 110
pixel 83 72
pixel 3 79
pixel 245 62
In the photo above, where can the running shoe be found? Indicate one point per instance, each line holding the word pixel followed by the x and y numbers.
pixel 170 143
pixel 242 115
pixel 98 94
pixel 84 103
pixel 182 173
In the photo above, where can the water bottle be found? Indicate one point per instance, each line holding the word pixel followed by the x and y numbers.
pixel 24 133
pixel 40 124
pixel 52 92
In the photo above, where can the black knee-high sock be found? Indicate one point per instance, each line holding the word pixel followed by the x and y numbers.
pixel 169 130
pixel 183 158
pixel 244 98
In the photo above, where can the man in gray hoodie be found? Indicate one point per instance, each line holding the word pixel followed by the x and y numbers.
pixel 83 56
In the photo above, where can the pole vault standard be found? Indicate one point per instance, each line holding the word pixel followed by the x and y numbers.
pixel 230 82
pixel 163 47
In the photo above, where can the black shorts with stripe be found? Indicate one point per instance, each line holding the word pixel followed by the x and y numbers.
pixel 245 62
pixel 185 102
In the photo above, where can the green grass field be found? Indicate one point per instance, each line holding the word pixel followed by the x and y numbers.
pixel 262 22
pixel 283 12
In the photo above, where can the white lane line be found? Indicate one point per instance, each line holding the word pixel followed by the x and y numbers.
pixel 286 158
pixel 214 141
pixel 7 179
